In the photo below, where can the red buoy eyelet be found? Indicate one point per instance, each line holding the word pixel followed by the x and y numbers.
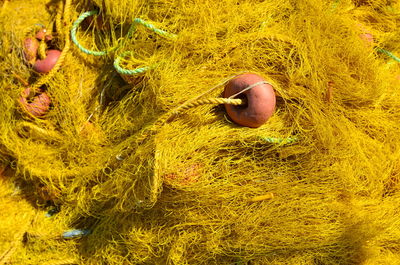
pixel 260 100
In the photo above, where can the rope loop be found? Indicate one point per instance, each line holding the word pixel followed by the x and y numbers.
pixel 74 28
pixel 124 71
pixel 117 60
pixel 151 27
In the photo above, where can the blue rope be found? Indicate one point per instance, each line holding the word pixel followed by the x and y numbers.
pixel 76 233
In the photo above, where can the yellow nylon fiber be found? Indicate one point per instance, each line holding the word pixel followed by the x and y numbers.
pixel 152 165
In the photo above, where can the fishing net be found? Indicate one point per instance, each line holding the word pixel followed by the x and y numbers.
pixel 127 146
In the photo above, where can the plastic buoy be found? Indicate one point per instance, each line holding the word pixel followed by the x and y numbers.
pixel 259 100
pixel 37 105
pixel 45 65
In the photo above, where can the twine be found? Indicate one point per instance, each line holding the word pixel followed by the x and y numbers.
pixel 249 87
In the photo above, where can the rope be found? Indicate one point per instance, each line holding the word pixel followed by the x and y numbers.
pixel 150 26
pixel 74 28
pixel 59 16
pixel 32 29
pixel 42 49
pixel 177 109
pixel 123 71
pixel 250 87
pixel 199 102
pixel 132 29
pixel 46 78
pixel 388 53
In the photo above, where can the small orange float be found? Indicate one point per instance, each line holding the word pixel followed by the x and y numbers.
pixel 37 105
pixel 45 65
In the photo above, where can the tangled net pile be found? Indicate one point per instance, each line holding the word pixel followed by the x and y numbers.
pixel 112 157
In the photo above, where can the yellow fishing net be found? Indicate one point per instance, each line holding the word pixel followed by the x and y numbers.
pixel 118 147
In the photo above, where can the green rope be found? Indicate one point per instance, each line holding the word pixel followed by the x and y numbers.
pixel 388 53
pixel 160 32
pixel 74 28
pixel 132 29
pixel 123 71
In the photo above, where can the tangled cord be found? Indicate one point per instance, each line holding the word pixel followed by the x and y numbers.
pixel 117 60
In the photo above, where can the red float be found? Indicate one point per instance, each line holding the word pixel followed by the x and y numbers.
pixel 37 105
pixel 259 100
pixel 45 65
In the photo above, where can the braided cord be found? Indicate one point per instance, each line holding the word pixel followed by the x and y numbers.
pixel 132 29
pixel 199 102
pixel 150 26
pixel 74 39
pixel 59 16
pixel 388 53
pixel 42 49
pixel 124 71
pixel 167 116
pixel 45 78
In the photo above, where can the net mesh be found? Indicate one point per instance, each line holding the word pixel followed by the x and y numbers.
pixel 157 183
